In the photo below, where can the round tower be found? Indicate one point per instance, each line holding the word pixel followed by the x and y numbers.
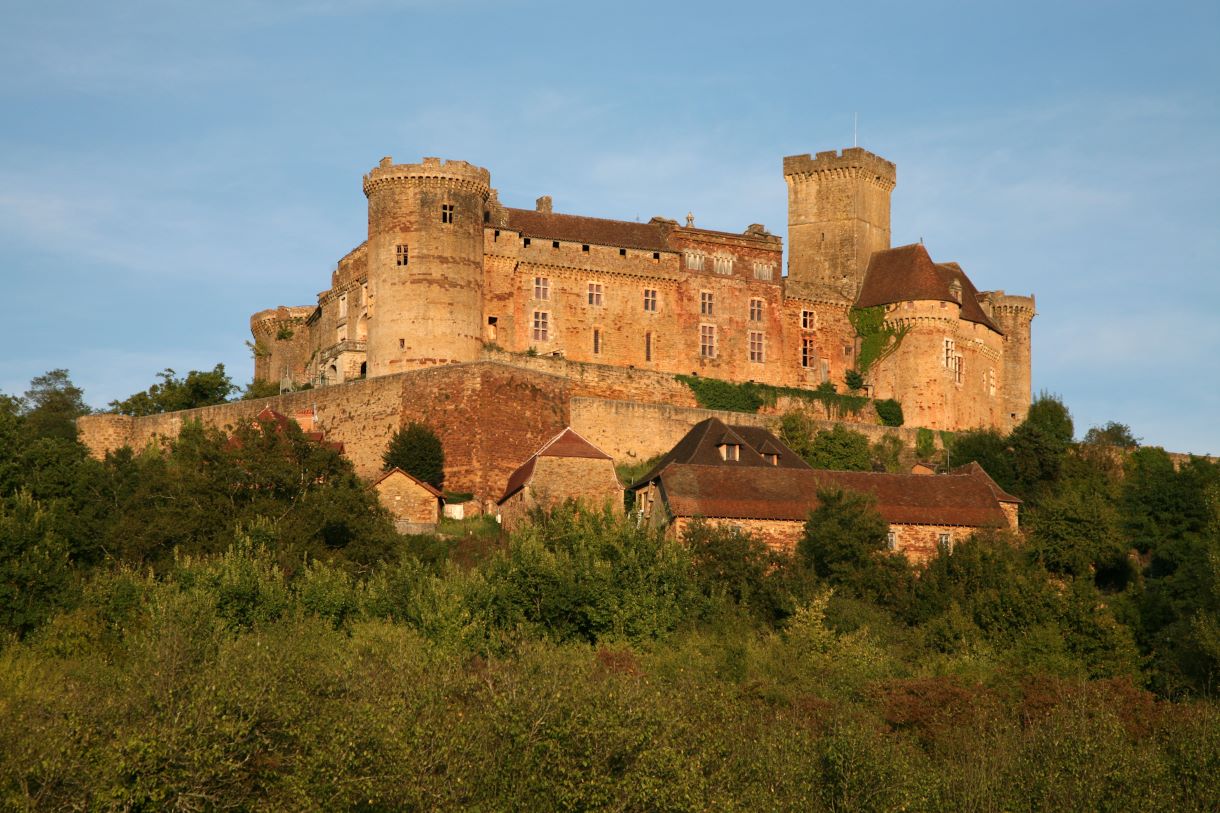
pixel 425 263
pixel 838 215
pixel 1013 314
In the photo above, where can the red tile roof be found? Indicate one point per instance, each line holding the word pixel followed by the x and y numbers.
pixel 566 444
pixel 907 273
pixel 700 446
pixel 966 499
pixel 579 229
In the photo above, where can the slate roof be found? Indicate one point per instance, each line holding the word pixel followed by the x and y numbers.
pixel 907 273
pixel 566 444
pixel 431 489
pixel 699 446
pixel 967 499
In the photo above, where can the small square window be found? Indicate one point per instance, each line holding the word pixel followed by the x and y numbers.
pixel 525 241
pixel 656 255
pixel 622 252
pixel 554 244
pixel 585 247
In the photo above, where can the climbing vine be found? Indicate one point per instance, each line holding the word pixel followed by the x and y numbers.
pixel 878 340
pixel 712 393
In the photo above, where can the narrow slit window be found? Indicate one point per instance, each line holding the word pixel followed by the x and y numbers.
pixel 648 346
pixel 597 341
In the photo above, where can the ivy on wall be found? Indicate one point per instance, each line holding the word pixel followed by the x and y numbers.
pixel 712 393
pixel 878 340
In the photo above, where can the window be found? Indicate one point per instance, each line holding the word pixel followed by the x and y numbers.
pixel 808 355
pixel 707 341
pixel 446 212
pixel 847 350
pixel 694 260
pixel 622 252
pixel 554 244
pixel 542 288
pixel 825 365
pixel 650 300
pixel 595 294
pixel 648 346
pixel 722 264
pixel 541 325
pixel 730 451
pixel 401 255
pixel 402 343
pixel 756 310
pixel 756 346
pixel 991 383
pixel 809 320
pixel 945 541
pixel 486 217
pixel 891 540
pixel 525 241
pixel 959 369
pixel 656 255
pixel 765 271
pixel 343 306
pixel 950 351
pixel 707 304
pixel 584 247
pixel 772 458
pixel 364 294
pixel 597 341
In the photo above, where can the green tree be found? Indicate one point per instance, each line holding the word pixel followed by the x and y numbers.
pixel 417 450
pixel 839 448
pixel 990 450
pixel 260 389
pixel 197 389
pixel 1112 434
pixel 35 571
pixel 844 543
pixel 1040 444
pixel 52 404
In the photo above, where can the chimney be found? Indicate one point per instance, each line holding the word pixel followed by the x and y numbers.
pixel 543 204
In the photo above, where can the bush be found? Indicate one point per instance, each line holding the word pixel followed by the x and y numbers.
pixel 854 380
pixel 839 448
pixel 925 444
pixel 889 411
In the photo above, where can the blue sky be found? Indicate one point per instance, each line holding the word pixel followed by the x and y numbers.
pixel 167 168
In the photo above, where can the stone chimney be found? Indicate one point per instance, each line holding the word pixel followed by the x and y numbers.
pixel 543 204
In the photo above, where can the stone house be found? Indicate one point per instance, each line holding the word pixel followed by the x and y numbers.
pixel 773 501
pixel 566 467
pixel 415 505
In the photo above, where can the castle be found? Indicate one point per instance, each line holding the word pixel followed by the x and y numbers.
pixel 450 275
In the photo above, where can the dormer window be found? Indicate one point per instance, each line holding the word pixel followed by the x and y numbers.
pixel 955 291
pixel 730 451
pixel 772 458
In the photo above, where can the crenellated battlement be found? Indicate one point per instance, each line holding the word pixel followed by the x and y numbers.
pixel 851 162
pixel 1001 302
pixel 430 172
pixel 274 317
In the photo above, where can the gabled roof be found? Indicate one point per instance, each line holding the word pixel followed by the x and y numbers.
pixel 431 489
pixel 907 273
pixel 566 444
pixel 578 229
pixel 966 499
pixel 700 446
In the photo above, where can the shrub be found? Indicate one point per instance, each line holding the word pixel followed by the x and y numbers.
pixel 889 411
pixel 854 380
pixel 925 444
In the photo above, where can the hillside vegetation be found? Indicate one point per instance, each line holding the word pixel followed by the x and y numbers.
pixel 234 624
